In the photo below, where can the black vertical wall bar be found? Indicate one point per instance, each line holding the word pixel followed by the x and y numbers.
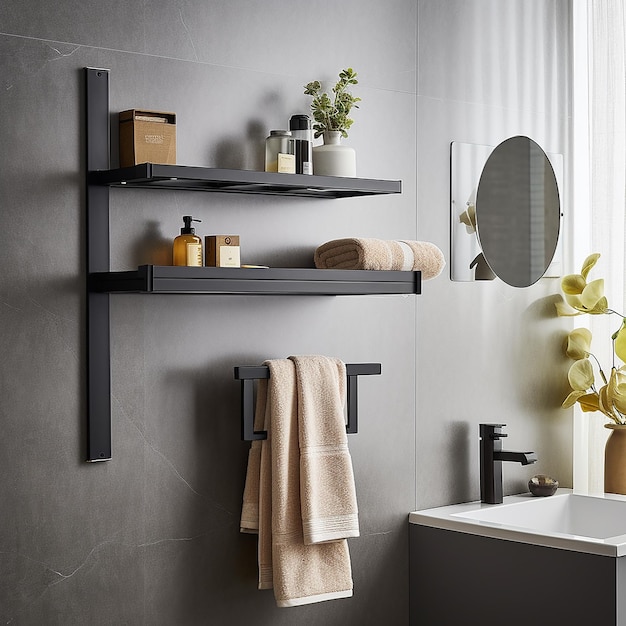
pixel 247 402
pixel 98 260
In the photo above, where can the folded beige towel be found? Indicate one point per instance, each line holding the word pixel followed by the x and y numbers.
pixel 380 254
pixel 299 573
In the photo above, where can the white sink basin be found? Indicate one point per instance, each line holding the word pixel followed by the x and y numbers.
pixel 591 524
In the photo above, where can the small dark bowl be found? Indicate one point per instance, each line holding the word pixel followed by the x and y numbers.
pixel 542 485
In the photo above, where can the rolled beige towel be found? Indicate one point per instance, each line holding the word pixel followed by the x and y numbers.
pixel 380 254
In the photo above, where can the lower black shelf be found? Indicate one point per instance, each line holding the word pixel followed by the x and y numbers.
pixel 262 281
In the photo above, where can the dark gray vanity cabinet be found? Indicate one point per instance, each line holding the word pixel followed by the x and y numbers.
pixel 458 578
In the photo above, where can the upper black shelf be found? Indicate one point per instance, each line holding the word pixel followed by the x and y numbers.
pixel 149 175
pixel 261 281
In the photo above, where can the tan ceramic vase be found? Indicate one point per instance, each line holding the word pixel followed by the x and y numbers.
pixel 615 459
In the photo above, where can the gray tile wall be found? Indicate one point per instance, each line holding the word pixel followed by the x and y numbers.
pixel 488 70
pixel 151 537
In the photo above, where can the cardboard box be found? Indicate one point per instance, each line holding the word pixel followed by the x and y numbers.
pixel 147 137
pixel 222 251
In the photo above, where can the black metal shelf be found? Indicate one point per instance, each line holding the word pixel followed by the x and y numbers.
pixel 101 282
pixel 259 281
pixel 185 177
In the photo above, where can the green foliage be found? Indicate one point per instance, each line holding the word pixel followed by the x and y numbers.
pixel 331 113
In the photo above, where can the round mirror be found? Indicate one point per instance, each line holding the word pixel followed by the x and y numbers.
pixel 518 211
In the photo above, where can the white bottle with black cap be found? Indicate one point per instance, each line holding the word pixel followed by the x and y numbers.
pixel 300 127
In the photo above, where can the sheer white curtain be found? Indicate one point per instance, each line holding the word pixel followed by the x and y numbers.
pixel 606 29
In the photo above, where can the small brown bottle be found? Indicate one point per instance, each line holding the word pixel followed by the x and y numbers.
pixel 188 246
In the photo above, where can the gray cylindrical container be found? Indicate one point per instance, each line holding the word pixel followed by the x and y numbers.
pixel 300 126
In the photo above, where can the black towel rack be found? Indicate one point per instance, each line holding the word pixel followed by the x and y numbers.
pixel 247 374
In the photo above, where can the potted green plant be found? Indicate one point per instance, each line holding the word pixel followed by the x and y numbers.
pixel 332 121
pixel 331 114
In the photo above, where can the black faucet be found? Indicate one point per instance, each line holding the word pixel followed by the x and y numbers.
pixel 491 457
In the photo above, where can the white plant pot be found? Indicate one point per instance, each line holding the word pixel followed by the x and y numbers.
pixel 332 158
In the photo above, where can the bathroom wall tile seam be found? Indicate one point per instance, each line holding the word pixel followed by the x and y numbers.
pixel 490 106
pixel 241 68
pixel 138 53
pixel 418 236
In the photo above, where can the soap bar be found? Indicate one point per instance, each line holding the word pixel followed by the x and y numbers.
pixel 286 163
pixel 222 251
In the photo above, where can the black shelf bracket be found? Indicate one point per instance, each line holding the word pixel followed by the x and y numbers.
pixel 247 374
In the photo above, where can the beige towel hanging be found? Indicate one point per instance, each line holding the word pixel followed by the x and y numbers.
pixel 327 493
pixel 300 573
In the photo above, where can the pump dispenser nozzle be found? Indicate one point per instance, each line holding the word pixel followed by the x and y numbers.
pixel 187 230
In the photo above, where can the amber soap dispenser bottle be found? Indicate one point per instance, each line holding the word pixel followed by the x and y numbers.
pixel 188 246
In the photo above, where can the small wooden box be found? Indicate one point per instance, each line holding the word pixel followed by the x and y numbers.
pixel 222 251
pixel 147 137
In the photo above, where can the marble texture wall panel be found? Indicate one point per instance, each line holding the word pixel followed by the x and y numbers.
pixel 278 38
pixel 152 536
